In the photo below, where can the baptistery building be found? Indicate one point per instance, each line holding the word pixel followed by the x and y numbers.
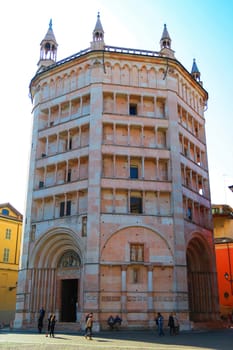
pixel 118 215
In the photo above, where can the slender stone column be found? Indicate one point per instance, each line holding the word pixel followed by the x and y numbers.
pixel 150 288
pixel 124 292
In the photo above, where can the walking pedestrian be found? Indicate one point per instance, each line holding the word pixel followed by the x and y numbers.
pixel 51 325
pixel 89 324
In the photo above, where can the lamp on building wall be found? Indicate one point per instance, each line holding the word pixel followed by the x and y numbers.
pixel 13 287
pixel 228 277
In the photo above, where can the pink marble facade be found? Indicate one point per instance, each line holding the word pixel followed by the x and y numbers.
pixel 118 175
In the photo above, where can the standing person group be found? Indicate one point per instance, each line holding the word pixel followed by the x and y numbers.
pixel 114 322
pixel 51 323
pixel 173 324
pixel 40 319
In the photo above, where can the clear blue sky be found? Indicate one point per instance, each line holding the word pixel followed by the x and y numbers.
pixel 200 29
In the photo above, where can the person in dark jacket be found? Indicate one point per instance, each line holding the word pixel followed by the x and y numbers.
pixel 51 325
pixel 117 322
pixel 171 324
pixel 111 322
pixel 40 319
pixel 159 322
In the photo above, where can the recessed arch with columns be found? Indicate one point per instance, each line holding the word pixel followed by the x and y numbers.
pixel 201 278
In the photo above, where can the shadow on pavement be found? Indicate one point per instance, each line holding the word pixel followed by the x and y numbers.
pixel 211 339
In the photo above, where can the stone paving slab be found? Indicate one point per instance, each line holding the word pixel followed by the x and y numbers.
pixel 121 340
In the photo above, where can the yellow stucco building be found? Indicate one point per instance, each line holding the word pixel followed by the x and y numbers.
pixel 10 240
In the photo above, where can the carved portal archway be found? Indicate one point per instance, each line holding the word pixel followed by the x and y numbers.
pixel 201 281
pixel 55 267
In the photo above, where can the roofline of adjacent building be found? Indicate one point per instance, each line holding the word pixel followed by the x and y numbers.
pixel 2 205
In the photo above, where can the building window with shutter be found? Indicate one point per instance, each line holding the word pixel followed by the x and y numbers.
pixel 132 109
pixel 65 208
pixel 136 252
pixel 189 213
pixel 8 233
pixel 133 172
pixel 136 205
pixel 62 209
pixel 6 254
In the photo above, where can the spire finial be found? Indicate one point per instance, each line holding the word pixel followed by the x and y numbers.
pixel 195 71
pixel 48 48
pixel 165 43
pixel 50 24
pixel 98 34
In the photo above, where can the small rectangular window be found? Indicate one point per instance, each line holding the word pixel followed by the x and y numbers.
pixel 133 172
pixel 136 205
pixel 137 252
pixel 6 255
pixel 68 208
pixel 8 233
pixel 41 184
pixel 62 209
pixel 189 213
pixel 70 144
pixel 69 175
pixel 132 109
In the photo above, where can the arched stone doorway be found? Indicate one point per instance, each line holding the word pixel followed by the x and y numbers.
pixel 55 275
pixel 202 287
